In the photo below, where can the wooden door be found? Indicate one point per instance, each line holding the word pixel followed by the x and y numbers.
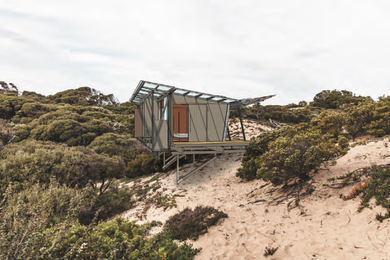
pixel 180 123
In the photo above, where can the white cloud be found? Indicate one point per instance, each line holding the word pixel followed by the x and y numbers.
pixel 244 48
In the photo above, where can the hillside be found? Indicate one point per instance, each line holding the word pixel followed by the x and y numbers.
pixel 323 226
pixel 69 166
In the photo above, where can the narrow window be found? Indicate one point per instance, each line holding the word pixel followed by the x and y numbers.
pixel 163 114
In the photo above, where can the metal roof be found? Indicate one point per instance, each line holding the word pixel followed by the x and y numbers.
pixel 146 89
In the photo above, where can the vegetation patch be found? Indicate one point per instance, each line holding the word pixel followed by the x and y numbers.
pixel 149 195
pixel 43 224
pixel 166 201
pixel 375 185
pixel 379 188
pixel 190 224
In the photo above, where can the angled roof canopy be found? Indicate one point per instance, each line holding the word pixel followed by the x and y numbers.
pixel 146 89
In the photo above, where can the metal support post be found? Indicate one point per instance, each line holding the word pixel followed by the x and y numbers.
pixel 164 159
pixel 197 169
pixel 177 169
pixel 193 159
pixel 242 125
pixel 152 119
pixel 170 133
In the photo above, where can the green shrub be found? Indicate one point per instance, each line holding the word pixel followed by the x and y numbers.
pixel 56 200
pixel 289 153
pixel 138 162
pixel 190 224
pixel 21 132
pixel 83 96
pixel 25 219
pixel 69 131
pixel 357 117
pixel 6 134
pixel 296 116
pixel 119 239
pixel 10 104
pixel 380 126
pixel 32 110
pixel 335 98
pixel 125 108
pixel 142 164
pixel 329 122
pixel 112 144
pixel 257 147
pixel 67 127
pixel 113 201
pixel 31 162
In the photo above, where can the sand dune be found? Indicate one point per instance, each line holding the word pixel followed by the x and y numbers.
pixel 324 227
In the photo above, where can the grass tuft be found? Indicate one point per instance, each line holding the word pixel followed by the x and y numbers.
pixel 270 251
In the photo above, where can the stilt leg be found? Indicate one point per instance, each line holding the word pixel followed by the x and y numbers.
pixel 193 159
pixel 164 159
pixel 177 169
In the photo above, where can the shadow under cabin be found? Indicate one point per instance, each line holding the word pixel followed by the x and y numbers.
pixel 180 122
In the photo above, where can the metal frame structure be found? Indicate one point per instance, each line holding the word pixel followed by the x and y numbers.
pixel 155 93
pixel 147 89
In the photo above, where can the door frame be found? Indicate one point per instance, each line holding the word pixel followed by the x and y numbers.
pixel 180 106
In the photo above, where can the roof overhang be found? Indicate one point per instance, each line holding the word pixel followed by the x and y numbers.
pixel 147 89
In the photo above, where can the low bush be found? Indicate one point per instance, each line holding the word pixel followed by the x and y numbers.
pixel 142 164
pixel 190 224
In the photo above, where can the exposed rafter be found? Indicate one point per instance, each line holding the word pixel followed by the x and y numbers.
pixel 146 88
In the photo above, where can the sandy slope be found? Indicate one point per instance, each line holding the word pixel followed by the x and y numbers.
pixel 325 227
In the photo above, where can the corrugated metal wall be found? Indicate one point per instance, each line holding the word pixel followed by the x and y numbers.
pixel 216 115
pixel 147 117
pixel 138 123
pixel 162 137
pixel 198 123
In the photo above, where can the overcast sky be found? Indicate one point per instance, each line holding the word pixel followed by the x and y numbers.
pixel 243 48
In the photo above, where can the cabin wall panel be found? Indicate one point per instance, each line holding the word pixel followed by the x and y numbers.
pixel 138 123
pixel 147 117
pixel 162 136
pixel 216 116
pixel 197 123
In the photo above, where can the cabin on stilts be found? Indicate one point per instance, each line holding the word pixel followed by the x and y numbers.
pixel 180 122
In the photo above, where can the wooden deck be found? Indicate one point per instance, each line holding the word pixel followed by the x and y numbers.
pixel 219 147
pixel 223 143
